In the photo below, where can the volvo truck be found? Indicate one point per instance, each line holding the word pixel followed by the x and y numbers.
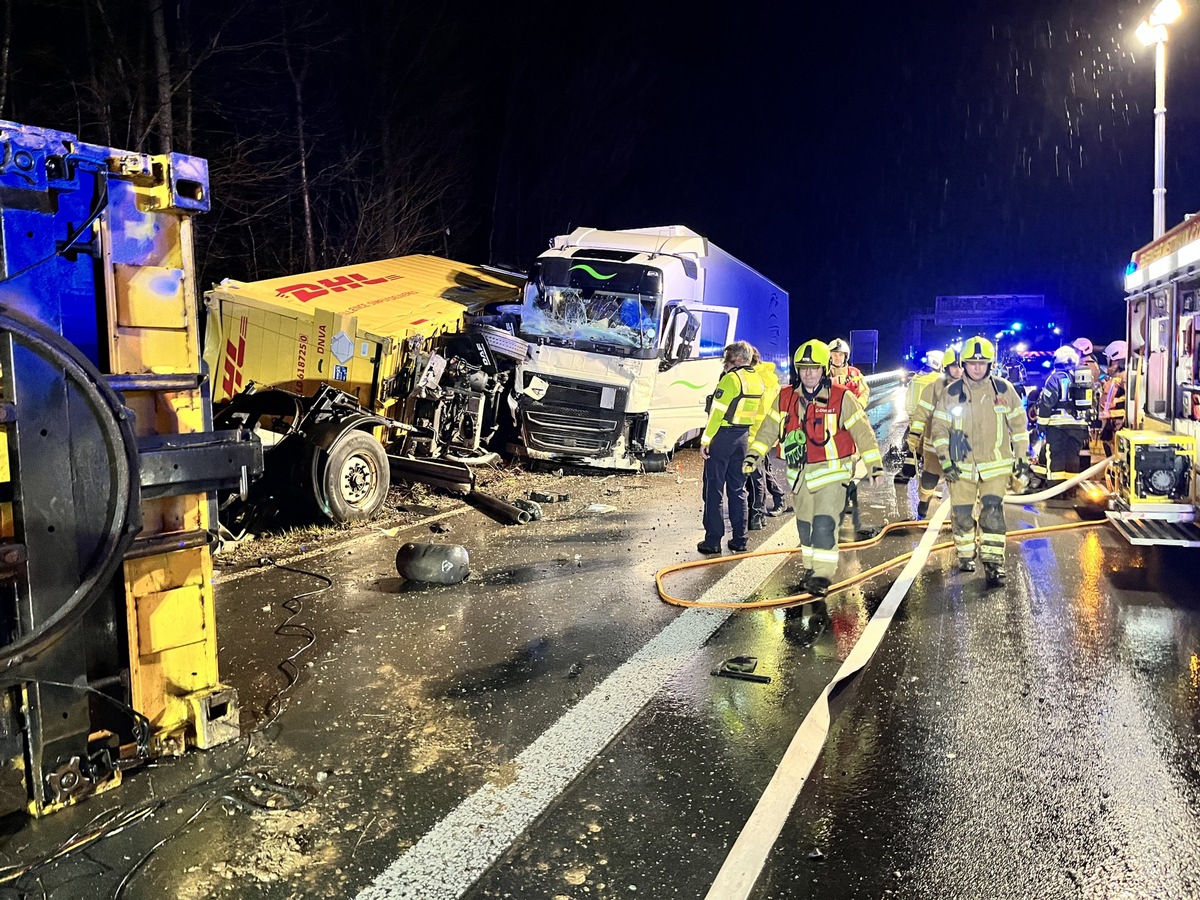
pixel 625 333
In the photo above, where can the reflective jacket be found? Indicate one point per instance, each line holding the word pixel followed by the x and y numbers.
pixel 979 426
pixel 1112 399
pixel 820 437
pixel 916 387
pixel 738 400
pixel 852 378
pixel 1056 405
pixel 919 424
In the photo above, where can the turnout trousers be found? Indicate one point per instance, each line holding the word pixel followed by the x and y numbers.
pixel 987 532
pixel 723 478
pixel 1059 458
pixel 931 474
pixel 817 515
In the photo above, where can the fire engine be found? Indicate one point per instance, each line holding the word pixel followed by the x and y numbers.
pixel 1153 477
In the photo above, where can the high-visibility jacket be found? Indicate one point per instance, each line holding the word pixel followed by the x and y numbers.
pixel 852 378
pixel 979 426
pixel 770 377
pixel 916 386
pixel 827 432
pixel 919 423
pixel 1112 398
pixel 738 400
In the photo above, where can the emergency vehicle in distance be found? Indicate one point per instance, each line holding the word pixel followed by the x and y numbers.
pixel 1154 478
pixel 626 330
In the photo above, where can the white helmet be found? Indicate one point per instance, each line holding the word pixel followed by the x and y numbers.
pixel 1067 356
pixel 934 359
pixel 1117 351
pixel 837 345
pixel 1083 345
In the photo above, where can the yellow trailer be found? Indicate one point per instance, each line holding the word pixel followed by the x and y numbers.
pixel 329 368
pixel 347 327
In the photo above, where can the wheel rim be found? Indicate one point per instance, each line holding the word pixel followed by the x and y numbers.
pixel 358 479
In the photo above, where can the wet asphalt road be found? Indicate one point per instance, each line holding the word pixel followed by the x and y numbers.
pixel 1039 740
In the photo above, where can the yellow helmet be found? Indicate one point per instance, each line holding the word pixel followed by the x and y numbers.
pixel 977 348
pixel 951 357
pixel 812 353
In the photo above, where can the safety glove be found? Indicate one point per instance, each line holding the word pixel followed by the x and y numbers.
pixel 952 473
pixel 749 464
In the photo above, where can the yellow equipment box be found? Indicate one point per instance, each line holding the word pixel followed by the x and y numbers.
pixel 346 326
pixel 1155 469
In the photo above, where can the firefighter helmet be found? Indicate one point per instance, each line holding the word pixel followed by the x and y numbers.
pixel 934 360
pixel 1083 345
pixel 837 345
pixel 950 357
pixel 812 353
pixel 977 348
pixel 1117 351
pixel 1066 356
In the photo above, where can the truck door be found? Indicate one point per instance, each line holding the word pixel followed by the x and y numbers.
pixel 694 339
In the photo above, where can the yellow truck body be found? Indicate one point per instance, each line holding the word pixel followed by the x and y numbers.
pixel 346 326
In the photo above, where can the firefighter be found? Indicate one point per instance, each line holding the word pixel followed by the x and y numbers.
pixel 841 372
pixel 930 373
pixel 978 433
pixel 763 481
pixel 822 427
pixel 1087 356
pixel 931 467
pixel 1112 395
pixel 737 404
pixel 1062 417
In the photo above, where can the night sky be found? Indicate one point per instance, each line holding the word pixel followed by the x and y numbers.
pixel 866 163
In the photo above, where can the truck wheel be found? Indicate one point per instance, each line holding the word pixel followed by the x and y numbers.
pixel 656 462
pixel 355 478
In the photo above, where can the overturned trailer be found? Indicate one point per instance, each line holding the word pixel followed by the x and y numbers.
pixel 355 375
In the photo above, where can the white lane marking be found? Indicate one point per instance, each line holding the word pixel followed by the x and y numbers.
pixel 749 852
pixel 453 854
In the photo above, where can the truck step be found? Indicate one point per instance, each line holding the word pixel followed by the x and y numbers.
pixel 1145 532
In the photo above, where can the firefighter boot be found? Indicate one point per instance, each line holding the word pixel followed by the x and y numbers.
pixel 817 585
pixel 966 564
pixel 922 509
pixel 996 576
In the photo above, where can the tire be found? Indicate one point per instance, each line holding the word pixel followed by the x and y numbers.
pixel 656 462
pixel 354 478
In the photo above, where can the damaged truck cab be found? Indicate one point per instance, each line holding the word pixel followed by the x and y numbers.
pixel 626 330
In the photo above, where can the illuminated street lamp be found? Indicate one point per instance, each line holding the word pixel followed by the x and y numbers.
pixel 1153 30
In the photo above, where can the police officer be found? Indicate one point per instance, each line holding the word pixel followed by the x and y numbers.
pixel 931 467
pixel 978 432
pixel 822 427
pixel 1062 416
pixel 1112 395
pixel 737 404
pixel 841 372
pixel 930 373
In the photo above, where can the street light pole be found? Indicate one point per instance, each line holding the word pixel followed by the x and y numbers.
pixel 1160 136
pixel 1153 30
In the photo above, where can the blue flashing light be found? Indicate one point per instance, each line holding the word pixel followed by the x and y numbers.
pixel 1016 326
pixel 1130 268
pixel 1058 331
pixel 1046 364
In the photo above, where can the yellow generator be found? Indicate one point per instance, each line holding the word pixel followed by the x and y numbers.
pixel 108 467
pixel 1154 488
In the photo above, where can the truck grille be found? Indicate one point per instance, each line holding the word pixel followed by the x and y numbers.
pixel 575 434
pixel 585 395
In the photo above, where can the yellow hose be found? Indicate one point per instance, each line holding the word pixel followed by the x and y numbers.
pixel 795 599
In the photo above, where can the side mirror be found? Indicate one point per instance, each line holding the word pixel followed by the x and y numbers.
pixel 679 336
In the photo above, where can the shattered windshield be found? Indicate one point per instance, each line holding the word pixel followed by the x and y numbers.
pixel 597 302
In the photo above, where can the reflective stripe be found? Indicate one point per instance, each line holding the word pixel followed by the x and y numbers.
pixel 872 456
pixel 855 417
pixel 824 555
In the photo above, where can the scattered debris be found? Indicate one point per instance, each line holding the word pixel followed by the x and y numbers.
pixel 434 563
pixel 742 668
pixel 597 509
pixel 574 671
pixel 530 506
pixel 543 497
pixel 816 854
pixel 439 528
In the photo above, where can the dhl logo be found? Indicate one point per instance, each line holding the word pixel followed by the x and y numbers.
pixel 306 291
pixel 235 355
